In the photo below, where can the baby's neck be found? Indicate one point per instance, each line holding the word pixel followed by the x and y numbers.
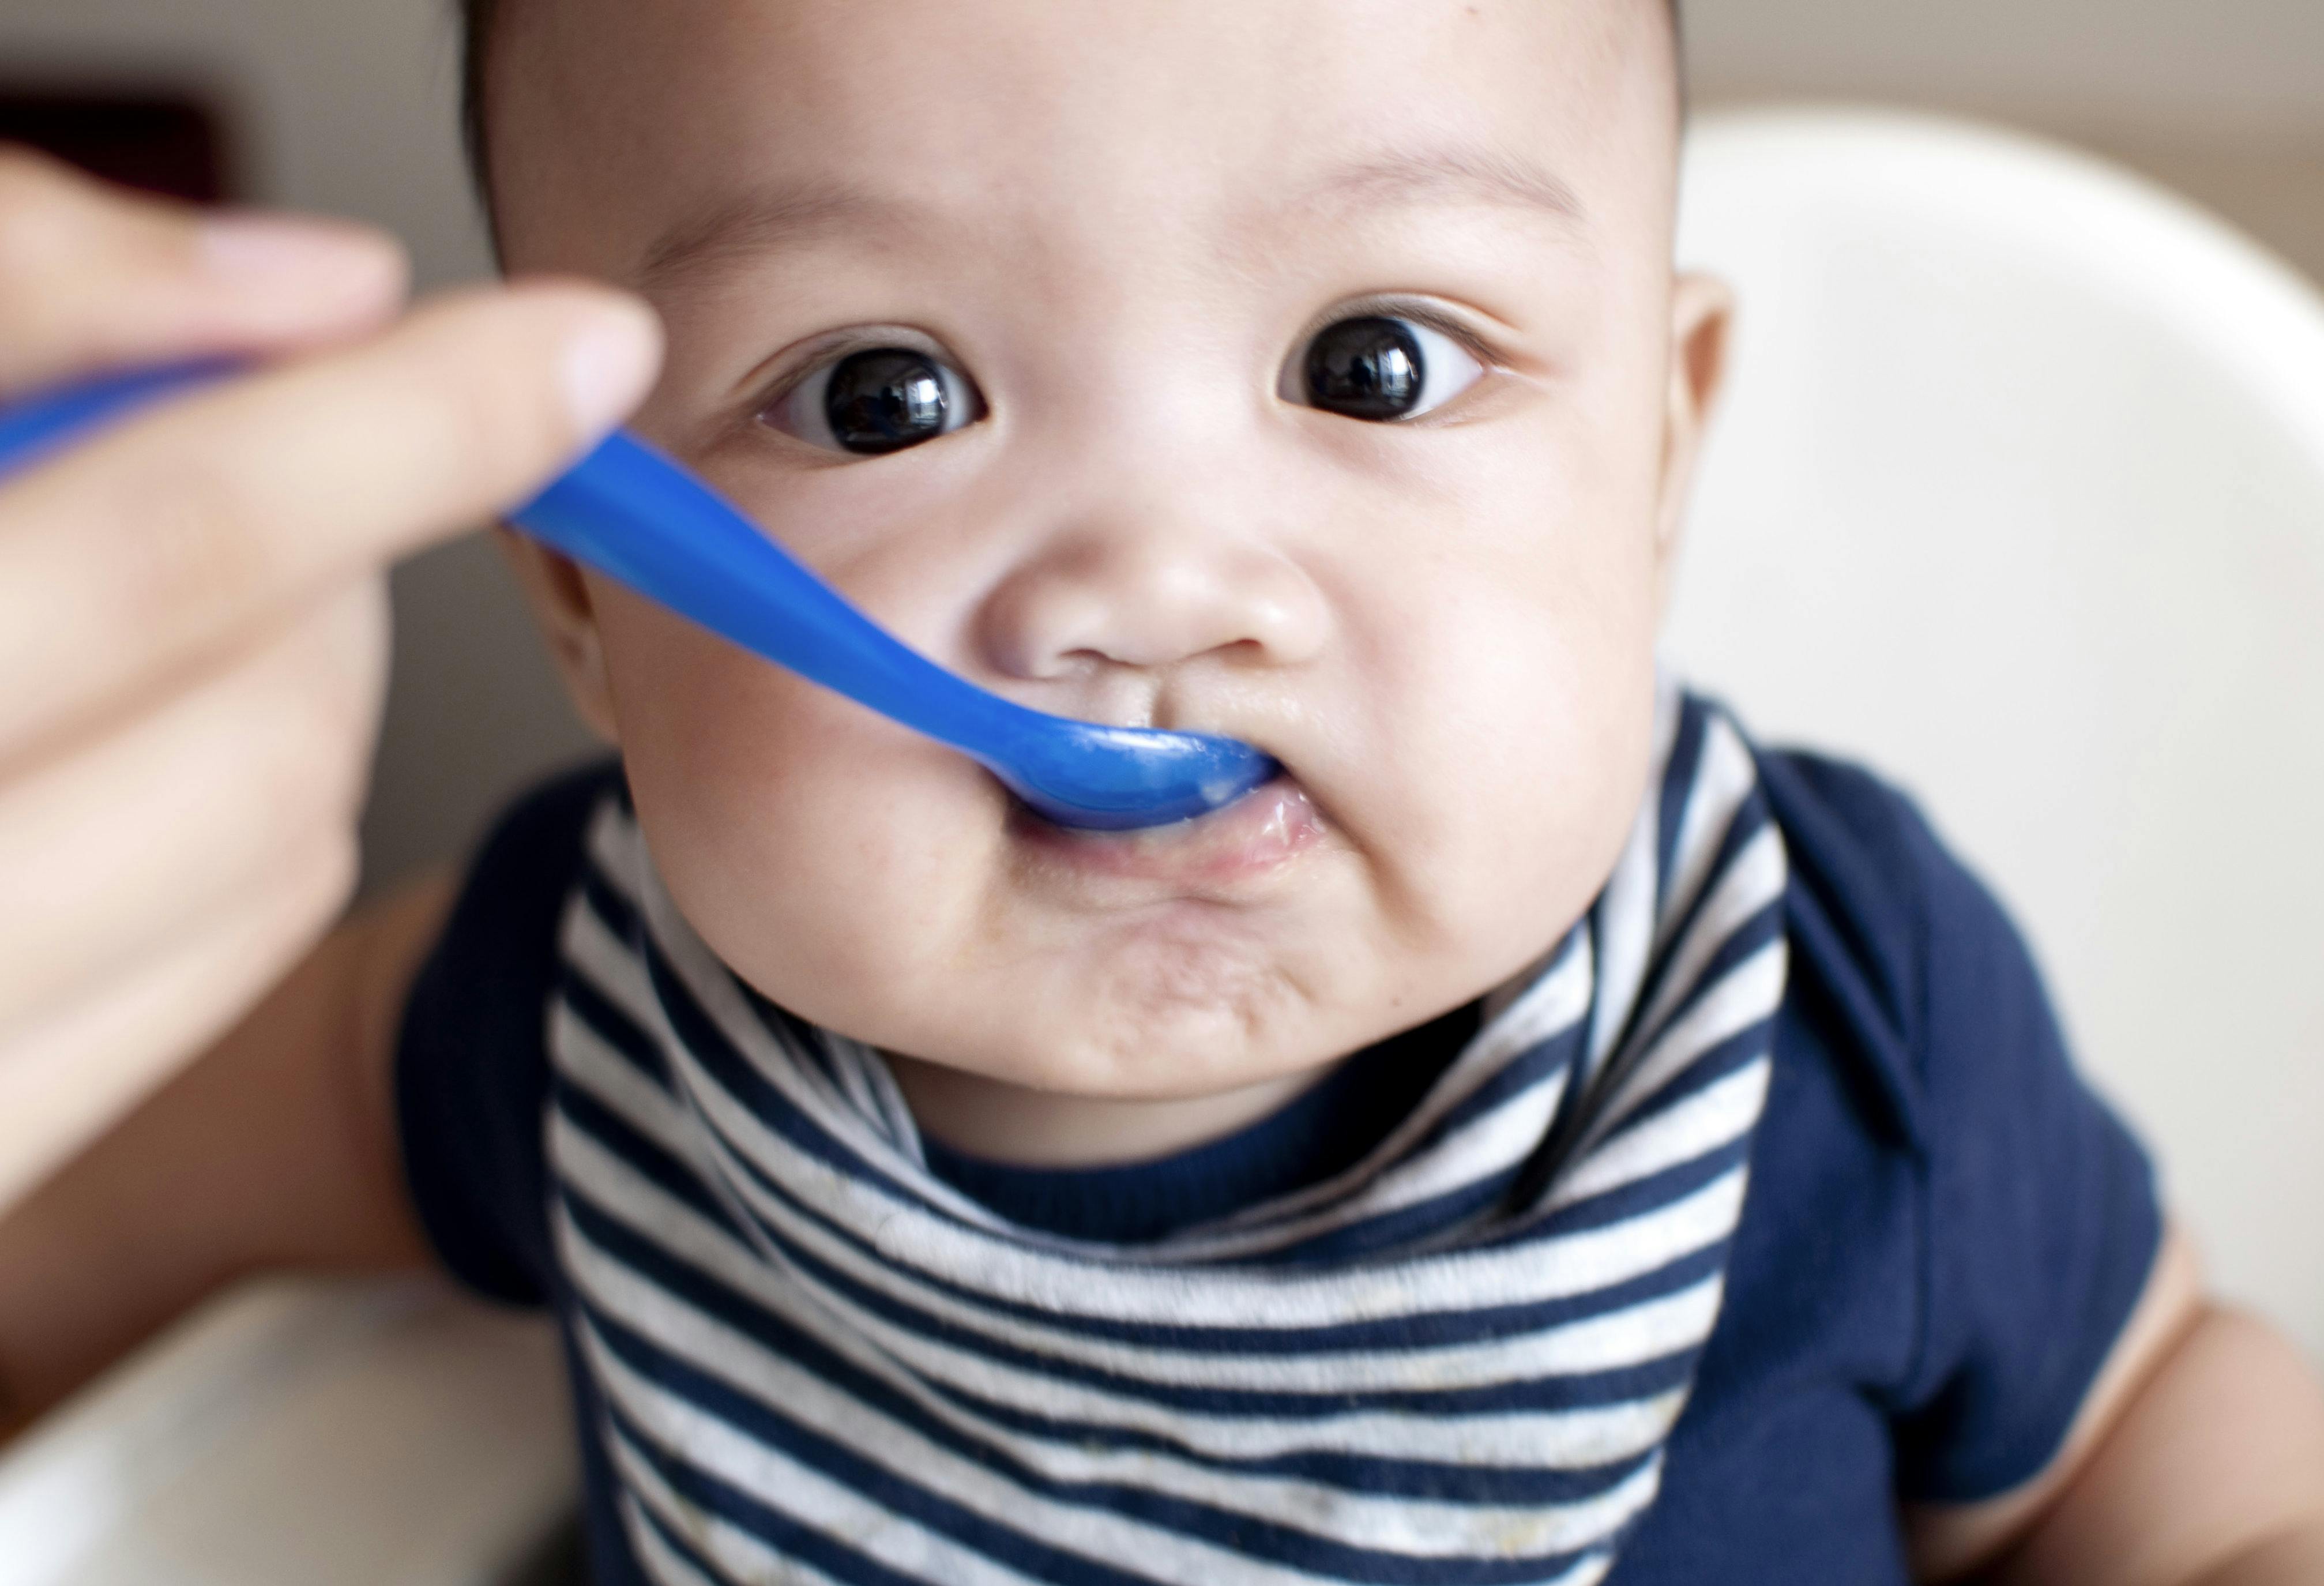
pixel 1003 1122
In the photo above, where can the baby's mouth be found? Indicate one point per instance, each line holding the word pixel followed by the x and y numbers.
pixel 1258 834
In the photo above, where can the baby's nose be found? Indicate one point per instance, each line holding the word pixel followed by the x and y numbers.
pixel 1150 598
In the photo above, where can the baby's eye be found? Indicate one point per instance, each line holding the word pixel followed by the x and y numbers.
pixel 1381 368
pixel 877 400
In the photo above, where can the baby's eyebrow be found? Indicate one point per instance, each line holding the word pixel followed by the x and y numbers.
pixel 1459 174
pixel 790 214
pixel 754 223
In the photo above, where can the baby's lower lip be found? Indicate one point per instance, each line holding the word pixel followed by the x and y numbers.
pixel 1259 832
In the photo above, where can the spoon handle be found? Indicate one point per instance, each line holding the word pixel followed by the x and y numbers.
pixel 627 509
pixel 32 428
pixel 631 511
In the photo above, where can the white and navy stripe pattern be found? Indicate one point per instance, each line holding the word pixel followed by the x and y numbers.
pixel 1457 1361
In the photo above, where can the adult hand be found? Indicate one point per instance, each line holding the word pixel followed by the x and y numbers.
pixel 192 628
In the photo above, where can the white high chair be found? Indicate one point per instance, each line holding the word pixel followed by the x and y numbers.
pixel 2019 494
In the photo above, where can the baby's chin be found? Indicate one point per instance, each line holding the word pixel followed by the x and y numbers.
pixel 1166 963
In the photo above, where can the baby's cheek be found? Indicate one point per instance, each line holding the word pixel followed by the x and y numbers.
pixel 791 826
pixel 1517 753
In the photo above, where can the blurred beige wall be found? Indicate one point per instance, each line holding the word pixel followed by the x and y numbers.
pixel 2223 99
pixel 2207 71
pixel 348 106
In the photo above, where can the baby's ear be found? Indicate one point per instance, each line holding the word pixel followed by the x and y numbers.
pixel 562 604
pixel 1702 312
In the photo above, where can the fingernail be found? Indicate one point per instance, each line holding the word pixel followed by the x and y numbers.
pixel 279 254
pixel 609 363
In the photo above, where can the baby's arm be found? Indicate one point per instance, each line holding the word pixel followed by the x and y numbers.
pixel 2197 1460
pixel 276 1148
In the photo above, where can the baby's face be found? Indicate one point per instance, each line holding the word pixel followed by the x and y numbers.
pixel 1299 371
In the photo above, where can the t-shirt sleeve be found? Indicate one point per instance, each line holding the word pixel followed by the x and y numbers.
pixel 2038 1213
pixel 471 1062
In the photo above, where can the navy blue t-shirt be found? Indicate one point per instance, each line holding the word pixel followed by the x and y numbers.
pixel 1944 1234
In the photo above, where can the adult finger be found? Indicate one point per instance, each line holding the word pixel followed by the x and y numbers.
pixel 92 276
pixel 138 836
pixel 122 558
pixel 64 1080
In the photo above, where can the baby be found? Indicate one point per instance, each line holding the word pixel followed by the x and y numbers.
pixel 1540 1138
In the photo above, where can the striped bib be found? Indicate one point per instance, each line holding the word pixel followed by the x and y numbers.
pixel 1457 1361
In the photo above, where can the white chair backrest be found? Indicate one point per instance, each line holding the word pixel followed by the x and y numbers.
pixel 2019 495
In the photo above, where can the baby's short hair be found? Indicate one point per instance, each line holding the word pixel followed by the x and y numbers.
pixel 476 19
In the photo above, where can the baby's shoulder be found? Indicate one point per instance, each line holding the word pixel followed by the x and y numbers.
pixel 1900 949
pixel 471 1071
pixel 499 944
pixel 1945 1228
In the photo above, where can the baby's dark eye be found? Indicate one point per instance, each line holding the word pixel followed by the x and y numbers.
pixel 1381 368
pixel 878 401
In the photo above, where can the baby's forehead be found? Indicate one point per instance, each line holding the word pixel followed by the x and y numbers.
pixel 658 118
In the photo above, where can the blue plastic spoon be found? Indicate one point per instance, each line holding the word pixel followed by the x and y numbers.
pixel 631 511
